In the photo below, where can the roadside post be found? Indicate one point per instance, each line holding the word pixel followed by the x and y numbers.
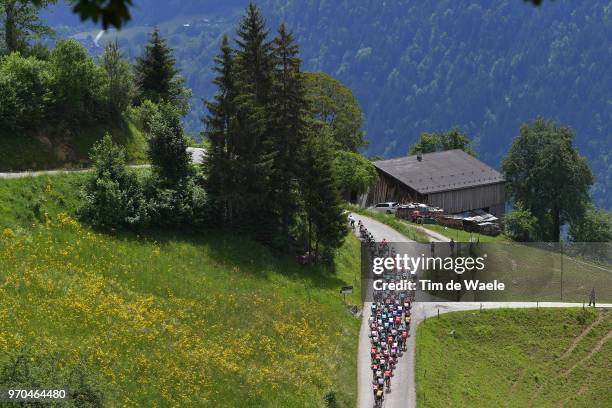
pixel 346 290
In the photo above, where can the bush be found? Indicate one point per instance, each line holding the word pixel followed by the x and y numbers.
pixel 178 206
pixel 521 225
pixel 594 226
pixel 113 197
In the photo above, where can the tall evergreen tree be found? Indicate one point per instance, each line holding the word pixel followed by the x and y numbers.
pixel 156 75
pixel 219 129
pixel 319 191
pixel 287 124
pixel 252 145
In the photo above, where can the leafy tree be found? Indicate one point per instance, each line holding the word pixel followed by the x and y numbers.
pixel 335 105
pixel 440 141
pixel 521 225
pixel 288 113
pixel 22 24
pixel 219 129
pixel 355 173
pixel 156 75
pixel 120 79
pixel 319 191
pixel 113 197
pixel 547 175
pixel 594 226
pixel 78 84
pixel 25 92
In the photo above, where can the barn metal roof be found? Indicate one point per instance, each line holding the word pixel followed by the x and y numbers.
pixel 440 171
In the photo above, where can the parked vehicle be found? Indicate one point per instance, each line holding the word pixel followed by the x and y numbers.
pixel 387 208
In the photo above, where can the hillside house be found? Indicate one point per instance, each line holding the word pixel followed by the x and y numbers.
pixel 452 180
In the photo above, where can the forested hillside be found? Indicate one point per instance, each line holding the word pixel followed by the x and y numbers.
pixel 485 66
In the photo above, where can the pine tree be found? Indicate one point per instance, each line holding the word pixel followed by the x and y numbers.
pixel 156 73
pixel 320 194
pixel 253 145
pixel 219 127
pixel 254 55
pixel 168 147
pixel 288 110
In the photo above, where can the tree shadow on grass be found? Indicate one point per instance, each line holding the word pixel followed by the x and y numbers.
pixel 232 250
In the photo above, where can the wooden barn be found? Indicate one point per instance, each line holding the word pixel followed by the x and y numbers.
pixel 452 180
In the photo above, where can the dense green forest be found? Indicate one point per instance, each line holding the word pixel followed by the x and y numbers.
pixel 415 67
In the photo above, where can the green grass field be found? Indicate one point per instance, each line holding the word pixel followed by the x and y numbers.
pixel 515 358
pixel 165 319
pixel 460 235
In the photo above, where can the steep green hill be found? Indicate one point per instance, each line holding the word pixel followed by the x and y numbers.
pixel 19 152
pixel 420 66
pixel 515 358
pixel 167 319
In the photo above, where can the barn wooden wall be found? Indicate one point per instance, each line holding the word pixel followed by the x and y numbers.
pixel 389 189
pixel 490 196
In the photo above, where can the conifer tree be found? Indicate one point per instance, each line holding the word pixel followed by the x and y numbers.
pixel 288 110
pixel 168 147
pixel 319 191
pixel 156 75
pixel 252 145
pixel 219 127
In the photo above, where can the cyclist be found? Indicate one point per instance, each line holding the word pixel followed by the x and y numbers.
pixel 379 398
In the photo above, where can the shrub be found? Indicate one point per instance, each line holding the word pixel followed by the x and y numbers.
pixel 521 225
pixel 178 206
pixel 113 197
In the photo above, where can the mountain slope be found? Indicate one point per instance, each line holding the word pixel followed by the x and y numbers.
pixel 485 66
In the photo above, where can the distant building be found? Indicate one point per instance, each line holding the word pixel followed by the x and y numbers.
pixel 197 154
pixel 452 180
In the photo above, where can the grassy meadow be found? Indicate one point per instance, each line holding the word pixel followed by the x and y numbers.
pixel 515 358
pixel 169 320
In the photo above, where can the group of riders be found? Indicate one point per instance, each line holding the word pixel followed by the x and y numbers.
pixel 389 321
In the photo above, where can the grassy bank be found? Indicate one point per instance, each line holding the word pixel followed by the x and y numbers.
pixel 391 221
pixel 170 319
pixel 460 235
pixel 20 152
pixel 515 358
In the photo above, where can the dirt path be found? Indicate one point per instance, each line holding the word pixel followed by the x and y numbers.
pixel 586 331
